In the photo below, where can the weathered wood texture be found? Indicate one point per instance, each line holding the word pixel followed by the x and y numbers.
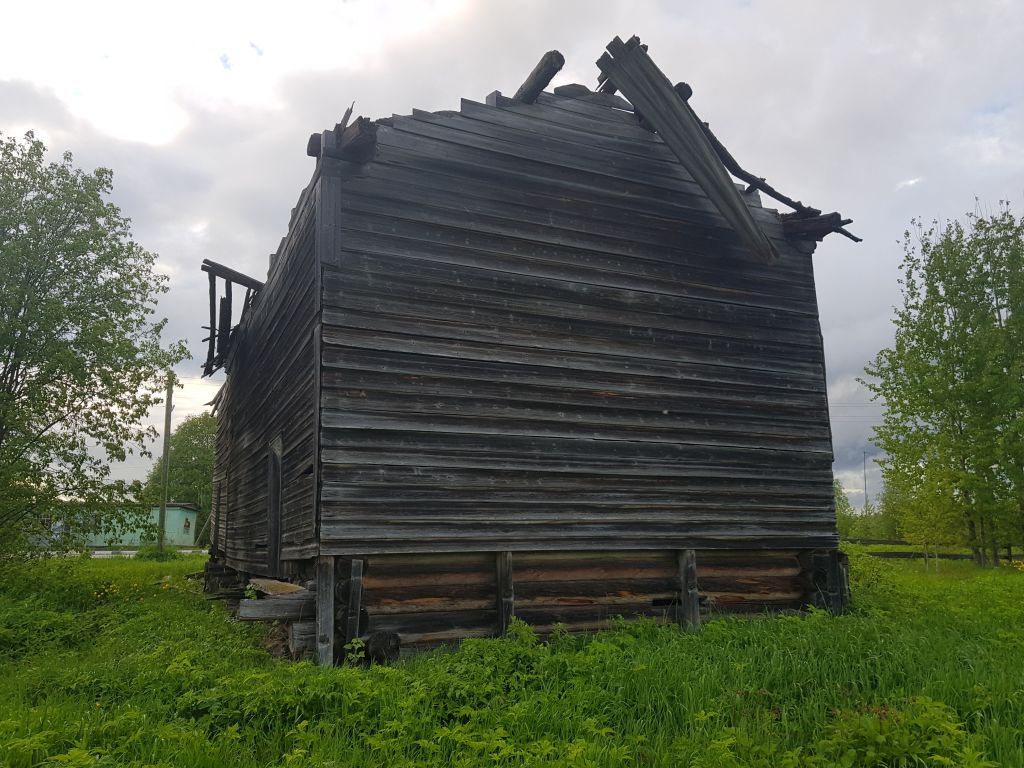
pixel 289 607
pixel 431 599
pixel 548 66
pixel 439 598
pixel 326 574
pixel 269 396
pixel 505 604
pixel 540 334
pixel 688 611
pixel 302 639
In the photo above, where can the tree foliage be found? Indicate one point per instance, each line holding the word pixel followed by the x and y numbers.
pixel 953 384
pixel 872 522
pixel 190 475
pixel 80 351
pixel 844 511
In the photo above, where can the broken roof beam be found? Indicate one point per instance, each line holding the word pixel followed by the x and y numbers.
pixel 219 270
pixel 356 143
pixel 548 66
pixel 650 92
pixel 803 227
pixel 757 182
pixel 211 352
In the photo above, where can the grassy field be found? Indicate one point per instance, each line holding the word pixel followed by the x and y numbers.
pixel 124 663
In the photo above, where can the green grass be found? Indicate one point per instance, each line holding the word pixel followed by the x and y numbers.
pixel 121 662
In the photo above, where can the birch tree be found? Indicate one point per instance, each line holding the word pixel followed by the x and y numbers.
pixel 953 383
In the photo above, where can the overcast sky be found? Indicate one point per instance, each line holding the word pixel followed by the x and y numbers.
pixel 884 111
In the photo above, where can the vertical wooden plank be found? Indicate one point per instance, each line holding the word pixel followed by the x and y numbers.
pixel 828 584
pixel 505 591
pixel 275 452
pixel 689 594
pixel 316 421
pixel 211 352
pixel 355 601
pixel 325 611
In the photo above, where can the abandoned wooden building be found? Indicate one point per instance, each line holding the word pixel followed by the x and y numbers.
pixel 541 357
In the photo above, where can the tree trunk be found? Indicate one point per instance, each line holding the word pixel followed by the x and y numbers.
pixel 972 541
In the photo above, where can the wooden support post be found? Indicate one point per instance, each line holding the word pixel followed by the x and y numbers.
pixel 355 601
pixel 224 324
pixel 829 581
pixel 689 594
pixel 506 594
pixel 548 66
pixel 325 611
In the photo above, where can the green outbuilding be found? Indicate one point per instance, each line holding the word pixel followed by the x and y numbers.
pixel 179 530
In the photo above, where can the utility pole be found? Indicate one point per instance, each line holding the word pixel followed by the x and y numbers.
pixel 865 479
pixel 162 523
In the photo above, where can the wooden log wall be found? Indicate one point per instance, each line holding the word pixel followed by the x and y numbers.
pixel 539 334
pixel 443 598
pixel 270 395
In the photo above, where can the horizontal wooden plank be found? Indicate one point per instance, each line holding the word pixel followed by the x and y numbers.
pixel 433 281
pixel 580 363
pixel 278 608
pixel 379 234
pixel 543 231
pixel 677 389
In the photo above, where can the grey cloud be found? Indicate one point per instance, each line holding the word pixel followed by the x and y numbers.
pixel 22 102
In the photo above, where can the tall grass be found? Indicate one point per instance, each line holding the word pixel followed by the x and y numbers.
pixel 125 663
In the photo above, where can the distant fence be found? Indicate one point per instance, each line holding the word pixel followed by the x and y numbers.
pixel 108 553
pixel 899 542
pixel 917 553
pixel 939 555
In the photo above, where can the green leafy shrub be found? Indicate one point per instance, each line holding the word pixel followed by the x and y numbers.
pixel 136 668
pixel 152 552
pixel 924 732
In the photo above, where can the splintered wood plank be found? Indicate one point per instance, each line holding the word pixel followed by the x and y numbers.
pixel 289 607
pixel 275 587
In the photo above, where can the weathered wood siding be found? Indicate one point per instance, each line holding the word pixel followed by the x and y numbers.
pixel 270 395
pixel 538 334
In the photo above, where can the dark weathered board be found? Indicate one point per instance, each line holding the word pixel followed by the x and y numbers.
pixel 539 334
pixel 437 598
pixel 269 397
